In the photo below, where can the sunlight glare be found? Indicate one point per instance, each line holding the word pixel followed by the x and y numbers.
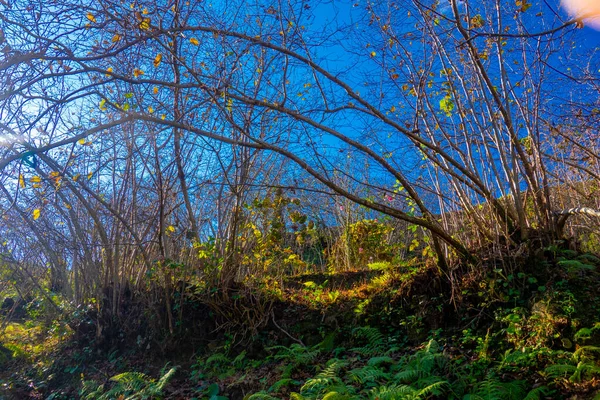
pixel 587 10
pixel 8 140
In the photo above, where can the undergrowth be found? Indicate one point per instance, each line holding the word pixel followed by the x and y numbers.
pixel 527 334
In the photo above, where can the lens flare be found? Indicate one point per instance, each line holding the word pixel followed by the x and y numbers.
pixel 586 10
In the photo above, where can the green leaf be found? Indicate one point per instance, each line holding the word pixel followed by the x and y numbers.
pixel 447 105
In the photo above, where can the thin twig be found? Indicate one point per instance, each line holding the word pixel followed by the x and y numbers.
pixel 284 331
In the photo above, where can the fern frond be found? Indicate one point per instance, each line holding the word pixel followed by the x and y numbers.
pixel 584 350
pixel 492 388
pixel 331 368
pixel 408 376
pixel 584 370
pixel 427 381
pixel 432 347
pixel 296 353
pixel 90 390
pixel 376 342
pixel 538 393
pixel 130 377
pixel 238 361
pixel 162 382
pixel 426 361
pixel 319 384
pixel 333 395
pixel 560 370
pixel 217 358
pixel 392 392
pixel 368 374
pixel 472 396
pixel 435 389
pixel 375 361
pixel 261 396
pixel 128 386
pixel 279 384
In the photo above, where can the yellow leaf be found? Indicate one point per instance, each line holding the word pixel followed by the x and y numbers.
pixel 75 177
pixel 109 71
pixel 138 72
pixel 157 60
pixel 373 54
pixel 393 109
pixel 81 141
pixel 194 41
pixel 37 185
pixel 145 24
pixel 91 17
pixel 163 116
pixel 21 181
pixel 150 109
pixel 170 228
pixel 155 90
pixel 36 214
pixel 116 38
pixel 145 11
pixel 68 206
pixel 54 174
pixel 35 179
pixel 89 176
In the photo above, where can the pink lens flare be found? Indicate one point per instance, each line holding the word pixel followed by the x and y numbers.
pixel 586 10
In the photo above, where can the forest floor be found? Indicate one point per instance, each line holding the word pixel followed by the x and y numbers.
pixel 527 331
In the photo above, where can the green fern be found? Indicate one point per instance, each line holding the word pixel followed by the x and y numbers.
pixel 261 396
pixel 283 382
pixel 217 359
pixel 376 343
pixel 368 374
pixel 423 364
pixel 435 388
pixel 327 382
pixel 573 266
pixel 333 395
pixel 296 353
pixel 380 360
pixel 318 385
pixel 164 380
pixel 581 366
pixel 584 370
pixel 129 386
pixel 492 388
pixel 238 362
pixel 560 370
pixel 392 392
pixel 584 351
pixel 538 393
pixel 90 389
pixel 590 258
